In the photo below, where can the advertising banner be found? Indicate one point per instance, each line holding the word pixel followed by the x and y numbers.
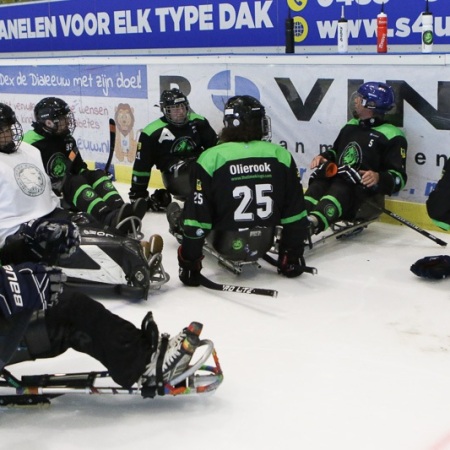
pixel 308 104
pixel 73 25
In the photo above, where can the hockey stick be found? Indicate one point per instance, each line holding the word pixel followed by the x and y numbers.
pixel 410 224
pixel 205 282
pixel 112 144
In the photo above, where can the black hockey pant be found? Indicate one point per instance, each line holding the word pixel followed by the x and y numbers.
pixel 85 325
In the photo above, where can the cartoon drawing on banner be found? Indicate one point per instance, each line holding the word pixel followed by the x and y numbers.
pixel 126 142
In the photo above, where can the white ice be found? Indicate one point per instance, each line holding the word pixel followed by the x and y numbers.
pixel 356 357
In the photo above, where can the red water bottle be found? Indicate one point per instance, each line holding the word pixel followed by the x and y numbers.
pixel 382 31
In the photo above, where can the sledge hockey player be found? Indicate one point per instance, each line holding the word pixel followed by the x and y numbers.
pixel 30 213
pixel 438 208
pixel 438 202
pixel 85 190
pixel 244 186
pixel 49 320
pixel 370 155
pixel 171 143
pixel 36 227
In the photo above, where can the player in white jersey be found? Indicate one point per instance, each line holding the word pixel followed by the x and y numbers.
pixel 25 189
pixel 29 210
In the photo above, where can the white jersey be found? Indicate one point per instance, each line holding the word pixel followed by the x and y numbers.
pixel 25 189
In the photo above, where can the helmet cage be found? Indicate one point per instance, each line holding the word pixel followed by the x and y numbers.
pixel 266 126
pixel 54 116
pixel 11 132
pixel 170 104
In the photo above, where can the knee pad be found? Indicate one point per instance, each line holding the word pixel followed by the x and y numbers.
pixel 329 208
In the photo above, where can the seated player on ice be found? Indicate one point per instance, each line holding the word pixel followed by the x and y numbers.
pixel 244 188
pixel 368 159
pixel 172 144
pixel 438 208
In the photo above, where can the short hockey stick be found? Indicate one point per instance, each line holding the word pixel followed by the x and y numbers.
pixel 112 143
pixel 410 225
pixel 207 283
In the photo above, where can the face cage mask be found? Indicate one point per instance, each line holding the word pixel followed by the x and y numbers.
pixel 69 128
pixel 16 135
pixel 266 127
pixel 168 114
pixel 368 104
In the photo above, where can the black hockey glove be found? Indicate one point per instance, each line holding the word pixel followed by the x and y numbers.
pixel 349 174
pixel 159 200
pixel 51 239
pixel 189 271
pixel 29 286
pixel 328 169
pixel 432 267
pixel 290 263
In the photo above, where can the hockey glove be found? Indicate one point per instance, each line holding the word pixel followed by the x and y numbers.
pixel 432 267
pixel 189 271
pixel 29 286
pixel 327 169
pixel 159 200
pixel 290 263
pixel 349 174
pixel 51 239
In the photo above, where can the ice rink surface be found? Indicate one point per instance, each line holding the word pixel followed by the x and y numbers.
pixel 356 357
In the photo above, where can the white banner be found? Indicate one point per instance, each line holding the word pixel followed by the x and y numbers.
pixel 307 100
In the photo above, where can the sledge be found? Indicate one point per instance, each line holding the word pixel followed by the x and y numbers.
pixel 111 263
pixel 200 377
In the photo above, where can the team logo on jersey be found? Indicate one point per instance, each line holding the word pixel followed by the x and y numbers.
pixel 30 179
pixel 57 166
pixel 351 156
pixel 183 145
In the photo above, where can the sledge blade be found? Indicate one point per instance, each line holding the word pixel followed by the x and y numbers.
pixel 27 399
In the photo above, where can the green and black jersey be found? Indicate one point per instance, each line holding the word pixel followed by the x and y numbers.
pixel 241 185
pixel 373 144
pixel 162 145
pixel 60 156
pixel 438 202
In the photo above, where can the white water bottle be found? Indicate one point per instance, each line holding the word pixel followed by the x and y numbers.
pixel 427 31
pixel 342 34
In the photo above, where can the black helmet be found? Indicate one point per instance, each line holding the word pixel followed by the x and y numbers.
pixel 48 113
pixel 9 123
pixel 245 111
pixel 174 98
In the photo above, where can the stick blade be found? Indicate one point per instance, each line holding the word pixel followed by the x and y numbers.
pixel 112 126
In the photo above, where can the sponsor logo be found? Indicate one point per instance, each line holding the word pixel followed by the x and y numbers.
pixel 239 169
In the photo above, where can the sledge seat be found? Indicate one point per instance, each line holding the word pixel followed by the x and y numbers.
pixel 244 245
